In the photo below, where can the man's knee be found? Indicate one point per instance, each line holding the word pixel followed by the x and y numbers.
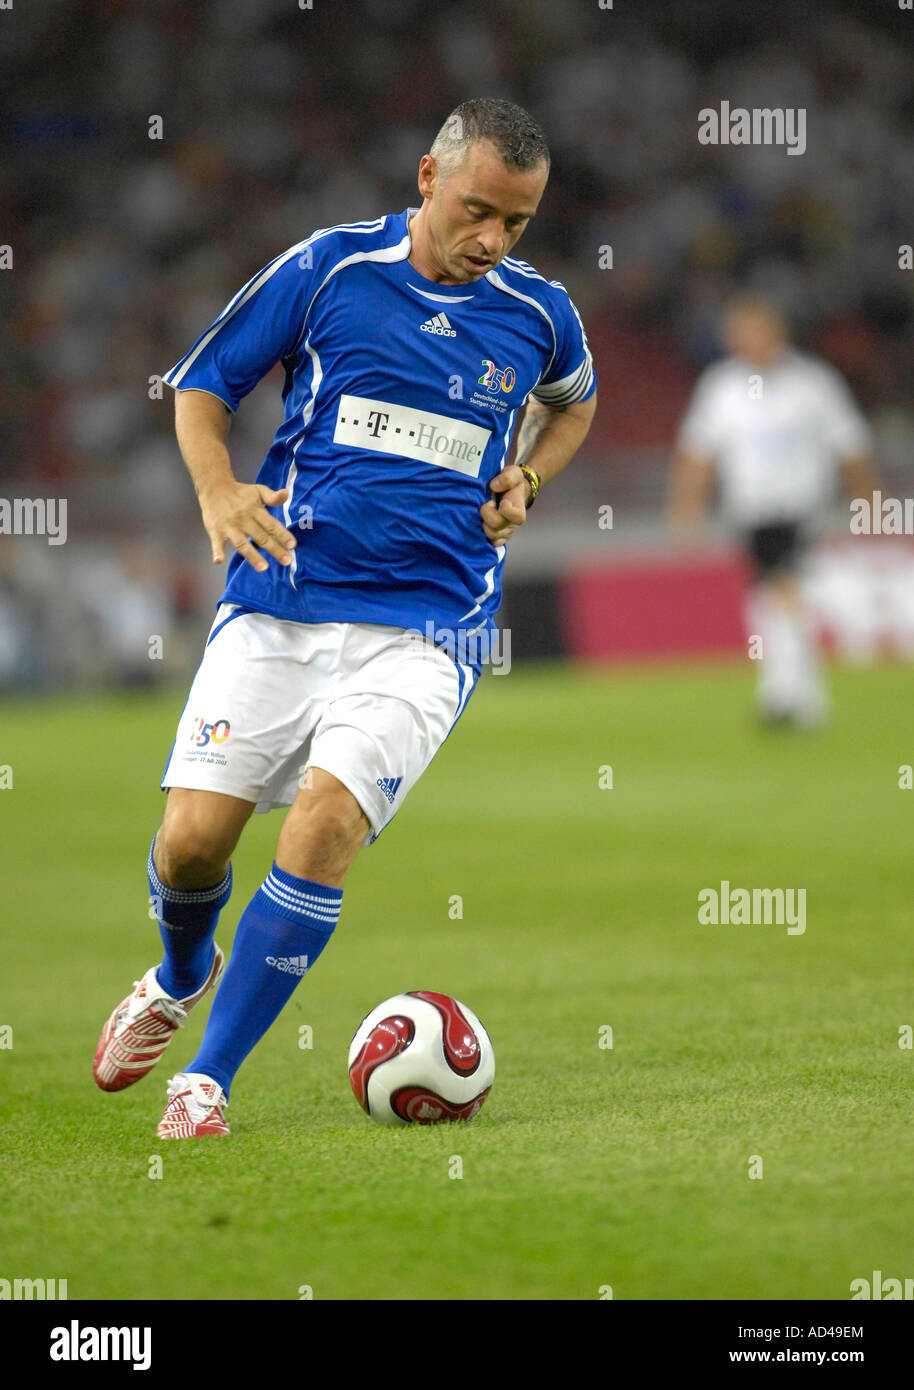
pixel 197 837
pixel 324 828
pixel 337 818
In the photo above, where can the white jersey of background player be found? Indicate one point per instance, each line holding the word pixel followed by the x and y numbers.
pixel 779 431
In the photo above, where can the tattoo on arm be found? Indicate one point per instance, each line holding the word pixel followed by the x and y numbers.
pixel 533 425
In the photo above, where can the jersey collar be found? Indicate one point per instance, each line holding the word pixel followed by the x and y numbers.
pixel 431 289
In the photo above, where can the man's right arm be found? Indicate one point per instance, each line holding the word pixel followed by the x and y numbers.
pixel 233 513
pixel 691 479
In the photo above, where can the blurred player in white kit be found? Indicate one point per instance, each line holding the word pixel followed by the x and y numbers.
pixel 779 432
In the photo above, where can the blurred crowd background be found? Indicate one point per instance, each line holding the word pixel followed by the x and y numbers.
pixel 277 120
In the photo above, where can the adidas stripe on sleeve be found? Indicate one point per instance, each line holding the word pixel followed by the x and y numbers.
pixel 570 376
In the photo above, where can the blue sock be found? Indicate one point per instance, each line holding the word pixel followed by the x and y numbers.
pixel 187 924
pixel 282 931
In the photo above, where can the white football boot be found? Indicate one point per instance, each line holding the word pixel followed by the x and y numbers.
pixel 194 1108
pixel 142 1026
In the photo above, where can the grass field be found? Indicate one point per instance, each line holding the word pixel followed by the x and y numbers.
pixel 588 1166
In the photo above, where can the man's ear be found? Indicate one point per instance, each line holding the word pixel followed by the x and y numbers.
pixel 428 170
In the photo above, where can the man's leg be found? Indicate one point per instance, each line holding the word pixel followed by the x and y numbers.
pixel 790 680
pixel 285 926
pixel 322 832
pixel 198 833
pixel 190 880
pixel 790 684
pixel 365 746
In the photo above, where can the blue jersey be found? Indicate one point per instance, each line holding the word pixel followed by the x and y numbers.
pixel 400 398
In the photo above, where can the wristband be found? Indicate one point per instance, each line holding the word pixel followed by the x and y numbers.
pixel 533 478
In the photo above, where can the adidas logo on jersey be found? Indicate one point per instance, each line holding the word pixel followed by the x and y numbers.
pixel 289 965
pixel 439 325
pixel 390 786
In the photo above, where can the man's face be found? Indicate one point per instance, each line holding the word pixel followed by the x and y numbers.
pixel 754 334
pixel 476 215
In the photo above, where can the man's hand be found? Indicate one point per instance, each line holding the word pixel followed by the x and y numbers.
pixel 501 517
pixel 233 513
pixel 548 439
pixel 689 490
pixel 236 514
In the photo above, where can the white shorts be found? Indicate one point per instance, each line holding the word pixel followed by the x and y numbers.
pixel 370 704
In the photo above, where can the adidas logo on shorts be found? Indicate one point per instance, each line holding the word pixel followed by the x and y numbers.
pixel 289 965
pixel 439 325
pixel 390 786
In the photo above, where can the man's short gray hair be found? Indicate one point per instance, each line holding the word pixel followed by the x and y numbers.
pixel 514 133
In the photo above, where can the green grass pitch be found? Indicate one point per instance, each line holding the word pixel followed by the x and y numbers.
pixel 589 1166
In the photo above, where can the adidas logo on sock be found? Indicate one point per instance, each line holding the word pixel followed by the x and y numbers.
pixel 439 325
pixel 289 965
pixel 390 786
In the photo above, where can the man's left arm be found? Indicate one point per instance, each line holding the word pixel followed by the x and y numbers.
pixel 548 439
pixel 859 474
pixel 846 430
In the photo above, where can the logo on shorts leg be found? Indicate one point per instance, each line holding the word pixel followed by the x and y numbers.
pixel 203 733
pixel 390 786
pixel 289 965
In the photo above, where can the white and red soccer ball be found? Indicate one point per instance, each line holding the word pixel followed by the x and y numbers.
pixel 421 1058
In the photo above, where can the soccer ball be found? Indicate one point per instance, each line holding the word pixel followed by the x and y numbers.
pixel 420 1058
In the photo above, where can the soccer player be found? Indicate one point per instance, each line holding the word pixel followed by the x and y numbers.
pixel 366 572
pixel 778 429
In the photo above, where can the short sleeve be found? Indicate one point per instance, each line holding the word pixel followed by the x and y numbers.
pixel 699 432
pixel 842 423
pixel 570 376
pixel 258 328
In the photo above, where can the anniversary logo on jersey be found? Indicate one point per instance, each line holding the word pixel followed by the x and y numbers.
pixel 498 381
